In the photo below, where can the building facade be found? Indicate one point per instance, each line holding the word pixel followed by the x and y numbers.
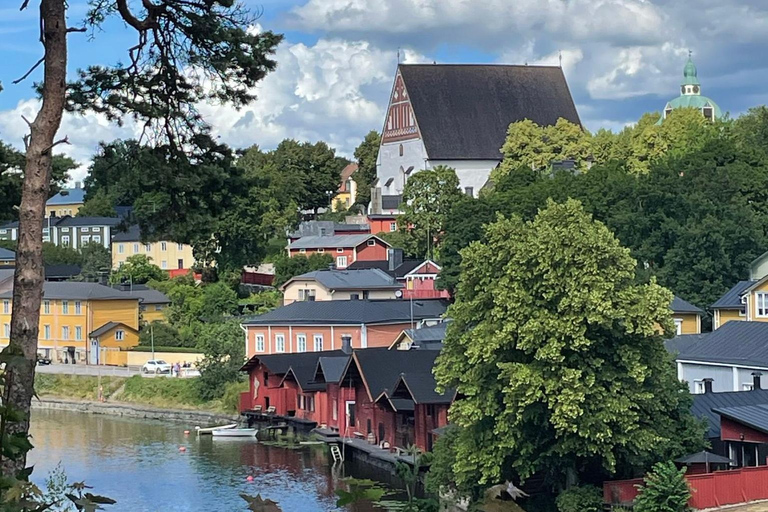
pixel 72 232
pixel 345 249
pixel 165 254
pixel 347 193
pixel 691 97
pixel 338 284
pixel 66 203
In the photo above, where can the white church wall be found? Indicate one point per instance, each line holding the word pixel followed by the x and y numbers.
pixel 471 173
pixel 392 165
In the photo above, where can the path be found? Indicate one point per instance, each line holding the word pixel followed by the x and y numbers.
pixel 82 369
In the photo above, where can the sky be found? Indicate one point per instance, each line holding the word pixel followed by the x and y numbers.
pixel 335 69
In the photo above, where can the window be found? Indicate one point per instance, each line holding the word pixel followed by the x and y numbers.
pixel 470 191
pixel 761 298
pixel 302 402
pixel 180 247
pixel 120 248
pixel 339 250
pixel 311 401
pixel 3 231
pixel 747 387
pixel 392 226
pixel 135 248
pixel 147 247
pixel 401 150
pixel 65 333
pixel 95 230
pixel 47 332
pixel 119 335
pixel 431 410
pixel 180 263
pixel 65 230
pixel 260 347
pixel 78 333
pixel 318 342
pixel 163 246
pixel 307 295
pixel 64 307
pixel 279 343
pixel 678 326
pixel 301 343
pixel 163 264
pixel 341 261
pixel 321 250
pixel 65 241
pixel 335 410
pixel 371 243
pixel 354 296
pixel 47 307
pixel 266 378
pixel 698 387
pixel 6 330
pixel 158 307
pixel 84 240
pixel 6 306
pixel 78 308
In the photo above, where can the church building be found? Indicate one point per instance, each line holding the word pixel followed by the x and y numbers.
pixel 458 115
pixel 690 96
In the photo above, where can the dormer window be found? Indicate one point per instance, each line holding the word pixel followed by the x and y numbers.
pixel 667 112
pixel 709 113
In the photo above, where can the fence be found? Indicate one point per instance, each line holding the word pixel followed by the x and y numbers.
pixel 708 490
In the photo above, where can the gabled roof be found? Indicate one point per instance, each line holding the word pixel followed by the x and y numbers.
pixel 678 305
pixel 69 290
pixel 346 279
pixel 108 327
pixel 401 271
pixel 732 298
pixel 464 111
pixel 753 416
pixel 421 388
pixel 681 342
pixel 705 405
pixel 131 234
pixel 145 294
pixel 67 196
pixel 279 364
pixel 331 369
pixel 735 343
pixel 350 312
pixel 5 254
pixel 381 368
pixel 347 173
pixel 333 241
pixel 427 338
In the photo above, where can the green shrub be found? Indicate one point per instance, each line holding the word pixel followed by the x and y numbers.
pixel 79 387
pixel 665 490
pixel 587 498
pixel 230 399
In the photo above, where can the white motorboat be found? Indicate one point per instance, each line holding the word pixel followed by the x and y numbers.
pixel 235 432
pixel 210 430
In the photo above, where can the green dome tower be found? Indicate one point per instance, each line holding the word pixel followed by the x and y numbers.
pixel 690 96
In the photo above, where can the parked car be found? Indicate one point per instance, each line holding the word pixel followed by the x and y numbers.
pixel 43 361
pixel 156 366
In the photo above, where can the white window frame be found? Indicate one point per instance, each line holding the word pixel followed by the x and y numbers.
pixel 78 307
pixel 6 330
pixel 340 250
pixel 302 251
pixel 147 247
pixel 84 240
pixel 761 310
pixel 119 335
pixel 259 343
pixel 371 243
pixel 6 306
pixel 46 307
pixel 46 332
pixel 698 387
pixel 341 262
pixel 78 332
pixel 65 307
pixel 678 326
pixel 280 343
pixel 180 247
pixel 392 226
pixel 317 342
pixel 120 249
pixel 747 386
pixel 96 239
pixel 65 230
pixel 65 333
pixel 65 241
pixel 135 248
pixel 163 246
pixel 321 250
pixel 164 264
pixel 301 343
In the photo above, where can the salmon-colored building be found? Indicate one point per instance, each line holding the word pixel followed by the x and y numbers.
pixel 345 249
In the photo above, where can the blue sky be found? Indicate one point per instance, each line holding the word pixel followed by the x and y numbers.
pixel 621 58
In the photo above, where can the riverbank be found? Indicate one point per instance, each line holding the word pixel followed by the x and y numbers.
pixel 148 396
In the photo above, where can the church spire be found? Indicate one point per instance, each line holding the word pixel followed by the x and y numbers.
pixel 691 85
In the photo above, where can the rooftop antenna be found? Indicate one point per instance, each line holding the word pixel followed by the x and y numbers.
pixel 560 58
pixel 398 55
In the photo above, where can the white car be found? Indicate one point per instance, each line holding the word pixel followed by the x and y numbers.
pixel 156 366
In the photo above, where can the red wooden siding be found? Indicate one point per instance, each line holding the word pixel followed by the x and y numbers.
pixel 382 225
pixel 733 431
pixel 376 252
pixel 425 423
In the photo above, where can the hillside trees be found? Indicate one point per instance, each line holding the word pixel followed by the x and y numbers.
pixel 138 269
pixel 366 155
pixel 556 353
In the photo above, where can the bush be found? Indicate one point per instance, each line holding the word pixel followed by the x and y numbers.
pixel 665 490
pixel 230 399
pixel 586 498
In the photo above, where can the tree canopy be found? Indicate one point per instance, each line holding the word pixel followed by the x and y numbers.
pixel 138 269
pixel 366 155
pixel 556 353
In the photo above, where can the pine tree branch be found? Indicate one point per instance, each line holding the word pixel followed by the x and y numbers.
pixel 42 59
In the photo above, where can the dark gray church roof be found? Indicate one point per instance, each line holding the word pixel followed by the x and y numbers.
pixel 464 111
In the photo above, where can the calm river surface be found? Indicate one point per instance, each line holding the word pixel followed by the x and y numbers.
pixel 138 463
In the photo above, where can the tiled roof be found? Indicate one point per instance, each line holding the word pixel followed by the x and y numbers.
pixel 351 279
pixel 5 254
pixel 678 305
pixel 333 241
pixel 736 343
pixel 346 173
pixel 464 111
pixel 732 298
pixel 67 196
pixel 348 312
pixel 67 290
pixel 705 404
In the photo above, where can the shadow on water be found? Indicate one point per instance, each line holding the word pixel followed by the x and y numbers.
pixel 138 463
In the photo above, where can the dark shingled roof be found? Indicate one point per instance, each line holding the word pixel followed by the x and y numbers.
pixel 678 305
pixel 279 364
pixel 381 368
pixel 108 327
pixel 350 312
pixel 354 279
pixel 681 343
pixel 704 405
pixel 59 271
pixel 732 298
pixel 331 369
pixel 406 267
pixel 739 343
pixel 464 111
pixel 434 334
pixel 421 388
pixel 333 241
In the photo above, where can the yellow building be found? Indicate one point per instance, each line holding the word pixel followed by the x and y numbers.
pixel 67 202
pixel 323 285
pixel 687 317
pixel 152 303
pixel 167 255
pixel 747 300
pixel 81 322
pixel 347 193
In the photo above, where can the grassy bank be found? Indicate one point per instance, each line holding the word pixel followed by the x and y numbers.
pixel 161 392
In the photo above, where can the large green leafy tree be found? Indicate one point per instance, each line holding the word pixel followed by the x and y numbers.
pixel 427 198
pixel 366 155
pixel 223 355
pixel 186 52
pixel 557 357
pixel 138 269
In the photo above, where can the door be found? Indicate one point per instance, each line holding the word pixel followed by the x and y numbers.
pixel 350 407
pixel 94 352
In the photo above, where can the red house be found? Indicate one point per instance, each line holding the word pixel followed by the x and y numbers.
pixel 418 277
pixel 346 249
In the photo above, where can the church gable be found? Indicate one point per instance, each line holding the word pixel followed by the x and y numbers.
pixel 400 123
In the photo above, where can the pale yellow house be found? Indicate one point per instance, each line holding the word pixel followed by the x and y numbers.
pixel 324 285
pixel 67 202
pixel 85 323
pixel 347 193
pixel 152 303
pixel 170 256
pixel 686 316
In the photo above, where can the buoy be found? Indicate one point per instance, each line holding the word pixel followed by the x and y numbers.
pixel 249 478
pixel 186 432
pixel 182 448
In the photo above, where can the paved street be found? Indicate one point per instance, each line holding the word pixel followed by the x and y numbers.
pixel 81 369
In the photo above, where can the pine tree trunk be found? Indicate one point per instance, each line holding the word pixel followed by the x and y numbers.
pixel 29 275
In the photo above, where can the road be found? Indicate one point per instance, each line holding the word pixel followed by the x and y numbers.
pixel 81 369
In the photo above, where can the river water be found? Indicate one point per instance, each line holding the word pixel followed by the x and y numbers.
pixel 139 464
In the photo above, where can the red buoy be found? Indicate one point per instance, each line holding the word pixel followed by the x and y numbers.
pixel 182 448
pixel 249 478
pixel 186 432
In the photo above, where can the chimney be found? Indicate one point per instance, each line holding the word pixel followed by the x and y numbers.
pixel 376 206
pixel 756 381
pixel 708 385
pixel 346 344
pixel 394 258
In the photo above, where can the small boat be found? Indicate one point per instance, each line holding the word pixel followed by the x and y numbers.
pixel 210 430
pixel 235 432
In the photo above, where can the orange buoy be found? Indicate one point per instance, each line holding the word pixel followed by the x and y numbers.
pixel 186 432
pixel 249 478
pixel 182 448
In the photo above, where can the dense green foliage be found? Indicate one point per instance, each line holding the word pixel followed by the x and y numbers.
pixel 287 267
pixel 138 269
pixel 555 351
pixel 366 155
pixel 664 490
pixel 224 354
pixel 263 302
pixel 587 498
pixel 96 262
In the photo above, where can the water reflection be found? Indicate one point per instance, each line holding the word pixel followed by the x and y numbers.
pixel 138 463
